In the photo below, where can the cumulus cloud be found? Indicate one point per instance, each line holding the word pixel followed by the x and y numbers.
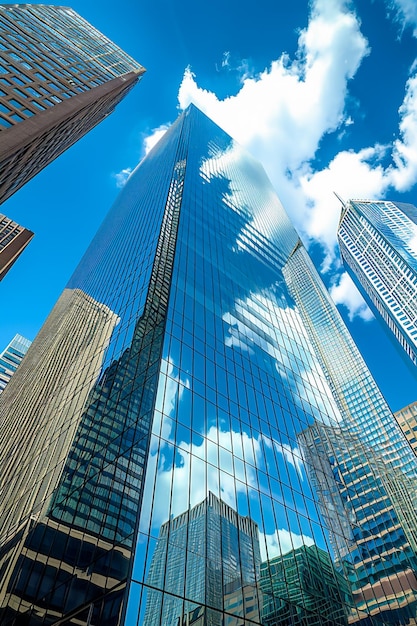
pixel 361 175
pixel 404 172
pixel 345 292
pixel 281 542
pixel 347 171
pixel 282 114
pixel 151 140
pixel 122 177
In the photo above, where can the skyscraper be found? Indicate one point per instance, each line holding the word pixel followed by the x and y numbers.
pixel 11 357
pixel 13 240
pixel 59 77
pixel 366 453
pixel 301 583
pixel 175 416
pixel 218 571
pixel 407 421
pixel 378 244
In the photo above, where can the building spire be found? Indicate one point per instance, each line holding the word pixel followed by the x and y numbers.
pixel 340 199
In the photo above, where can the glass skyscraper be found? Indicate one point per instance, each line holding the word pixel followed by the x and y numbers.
pixel 378 244
pixel 187 441
pixel 59 77
pixel 220 550
pixel 11 357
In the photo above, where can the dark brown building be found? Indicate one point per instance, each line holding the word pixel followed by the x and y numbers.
pixel 59 77
pixel 13 240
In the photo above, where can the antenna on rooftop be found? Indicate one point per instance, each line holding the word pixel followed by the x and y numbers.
pixel 343 203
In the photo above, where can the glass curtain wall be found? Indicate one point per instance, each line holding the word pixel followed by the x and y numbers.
pixel 175 455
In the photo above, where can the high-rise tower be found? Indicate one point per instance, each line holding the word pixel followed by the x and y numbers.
pixel 11 357
pixel 220 572
pixel 174 417
pixel 59 77
pixel 407 421
pixel 13 240
pixel 378 244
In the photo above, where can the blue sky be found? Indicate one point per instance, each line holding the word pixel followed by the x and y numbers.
pixel 324 94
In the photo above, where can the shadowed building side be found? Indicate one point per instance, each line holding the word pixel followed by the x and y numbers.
pixel 13 240
pixel 59 78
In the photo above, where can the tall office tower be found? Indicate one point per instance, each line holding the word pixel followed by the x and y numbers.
pixel 59 78
pixel 13 240
pixel 407 421
pixel 302 581
pixel 11 357
pixel 220 550
pixel 373 469
pixel 165 414
pixel 378 244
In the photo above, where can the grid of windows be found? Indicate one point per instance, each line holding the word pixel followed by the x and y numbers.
pixel 13 240
pixel 11 357
pixel 50 53
pixel 407 421
pixel 184 459
pixel 370 460
pixel 378 243
pixel 59 77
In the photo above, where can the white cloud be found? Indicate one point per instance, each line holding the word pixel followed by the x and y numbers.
pixel 282 114
pixel 280 542
pixel 349 171
pixel 151 140
pixel 122 177
pixel 403 174
pixel 406 12
pixel 226 59
pixel 361 175
pixel 345 292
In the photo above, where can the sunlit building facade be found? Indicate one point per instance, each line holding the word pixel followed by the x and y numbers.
pixel 378 244
pixel 175 448
pixel 363 468
pixel 59 77
pixel 13 240
pixel 11 357
pixel 407 421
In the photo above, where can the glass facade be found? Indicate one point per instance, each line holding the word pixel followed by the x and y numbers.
pixel 178 451
pixel 378 244
pixel 59 77
pixel 373 467
pixel 11 357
